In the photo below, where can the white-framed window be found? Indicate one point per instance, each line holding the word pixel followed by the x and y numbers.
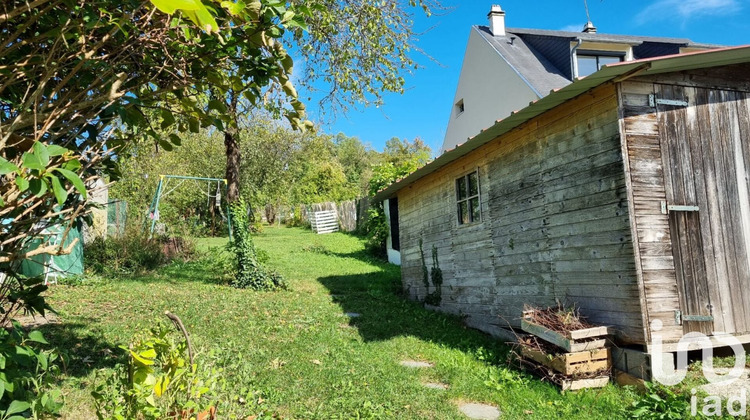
pixel 589 62
pixel 459 107
pixel 468 204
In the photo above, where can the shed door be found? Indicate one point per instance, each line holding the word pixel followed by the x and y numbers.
pixel 706 152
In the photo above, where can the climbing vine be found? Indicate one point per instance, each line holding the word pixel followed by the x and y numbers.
pixel 436 275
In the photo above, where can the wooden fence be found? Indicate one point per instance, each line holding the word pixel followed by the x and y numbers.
pixel 352 214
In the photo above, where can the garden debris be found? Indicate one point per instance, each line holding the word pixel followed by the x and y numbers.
pixel 564 348
pixel 353 314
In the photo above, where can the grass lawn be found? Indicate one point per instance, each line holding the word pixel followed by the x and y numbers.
pixel 297 352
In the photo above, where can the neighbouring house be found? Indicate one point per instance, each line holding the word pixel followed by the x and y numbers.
pixel 506 68
pixel 625 193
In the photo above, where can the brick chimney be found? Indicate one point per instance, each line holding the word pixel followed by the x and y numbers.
pixel 497 20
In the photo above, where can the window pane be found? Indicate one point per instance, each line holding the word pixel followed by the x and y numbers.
pixel 474 204
pixel 461 188
pixel 463 213
pixel 604 60
pixel 473 184
pixel 586 65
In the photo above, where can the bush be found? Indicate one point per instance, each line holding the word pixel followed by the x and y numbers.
pixel 660 402
pixel 134 253
pixel 249 270
pixel 158 381
pixel 26 375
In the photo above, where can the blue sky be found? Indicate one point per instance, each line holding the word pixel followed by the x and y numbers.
pixel 422 111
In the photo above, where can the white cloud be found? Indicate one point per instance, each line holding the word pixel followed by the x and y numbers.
pixel 576 27
pixel 685 10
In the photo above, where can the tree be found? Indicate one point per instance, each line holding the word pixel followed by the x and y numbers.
pixel 357 160
pixel 401 158
pixel 80 79
pixel 357 49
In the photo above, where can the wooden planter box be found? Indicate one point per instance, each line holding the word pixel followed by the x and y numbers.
pixel 573 341
pixel 576 384
pixel 570 364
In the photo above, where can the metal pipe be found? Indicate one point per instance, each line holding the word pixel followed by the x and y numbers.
pixel 573 67
pixel 199 178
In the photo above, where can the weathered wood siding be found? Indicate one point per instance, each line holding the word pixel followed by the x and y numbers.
pixel 693 155
pixel 555 223
pixel 651 233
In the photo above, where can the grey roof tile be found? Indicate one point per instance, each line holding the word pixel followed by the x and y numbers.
pixel 538 72
pixel 542 57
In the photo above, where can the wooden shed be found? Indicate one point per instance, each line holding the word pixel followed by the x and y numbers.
pixel 626 193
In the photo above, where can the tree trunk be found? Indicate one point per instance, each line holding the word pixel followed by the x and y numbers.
pixel 232 145
pixel 233 165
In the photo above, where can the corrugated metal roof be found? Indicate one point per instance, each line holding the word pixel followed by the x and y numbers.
pixel 666 64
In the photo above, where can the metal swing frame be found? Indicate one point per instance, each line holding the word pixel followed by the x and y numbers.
pixel 154 208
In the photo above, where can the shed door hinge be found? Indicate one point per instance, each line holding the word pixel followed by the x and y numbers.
pixel 665 209
pixel 679 318
pixel 653 101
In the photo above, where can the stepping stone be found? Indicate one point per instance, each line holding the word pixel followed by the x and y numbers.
pixel 435 385
pixel 415 364
pixel 479 411
pixel 353 315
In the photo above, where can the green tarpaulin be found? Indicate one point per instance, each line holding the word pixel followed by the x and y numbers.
pixel 65 265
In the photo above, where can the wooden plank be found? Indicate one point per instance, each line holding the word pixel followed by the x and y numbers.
pixel 590 332
pixel 559 340
pixel 578 384
pixel 725 210
pixel 570 364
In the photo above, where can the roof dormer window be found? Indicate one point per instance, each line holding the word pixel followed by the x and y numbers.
pixel 588 62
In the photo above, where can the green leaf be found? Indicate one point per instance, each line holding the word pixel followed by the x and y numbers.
pixel 55 150
pixel 38 187
pixel 175 139
pixel 170 6
pixel 217 105
pixel 31 161
pixel 72 165
pixel 145 358
pixel 74 179
pixel 203 18
pixel 23 183
pixel 234 8
pixel 166 145
pixel 40 151
pixel 17 407
pixel 167 118
pixel 194 125
pixel 7 167
pixel 60 193
pixel 37 337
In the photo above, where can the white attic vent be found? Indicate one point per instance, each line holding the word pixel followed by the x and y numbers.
pixel 497 20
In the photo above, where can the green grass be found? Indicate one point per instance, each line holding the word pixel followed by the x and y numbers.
pixel 275 340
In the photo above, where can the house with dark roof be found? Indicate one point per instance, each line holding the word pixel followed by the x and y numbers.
pixel 624 193
pixel 506 68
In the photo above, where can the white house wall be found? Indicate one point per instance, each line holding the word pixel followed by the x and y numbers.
pixel 490 88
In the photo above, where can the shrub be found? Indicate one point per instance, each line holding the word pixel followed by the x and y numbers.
pixel 249 270
pixel 660 402
pixel 134 252
pixel 158 381
pixel 26 375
